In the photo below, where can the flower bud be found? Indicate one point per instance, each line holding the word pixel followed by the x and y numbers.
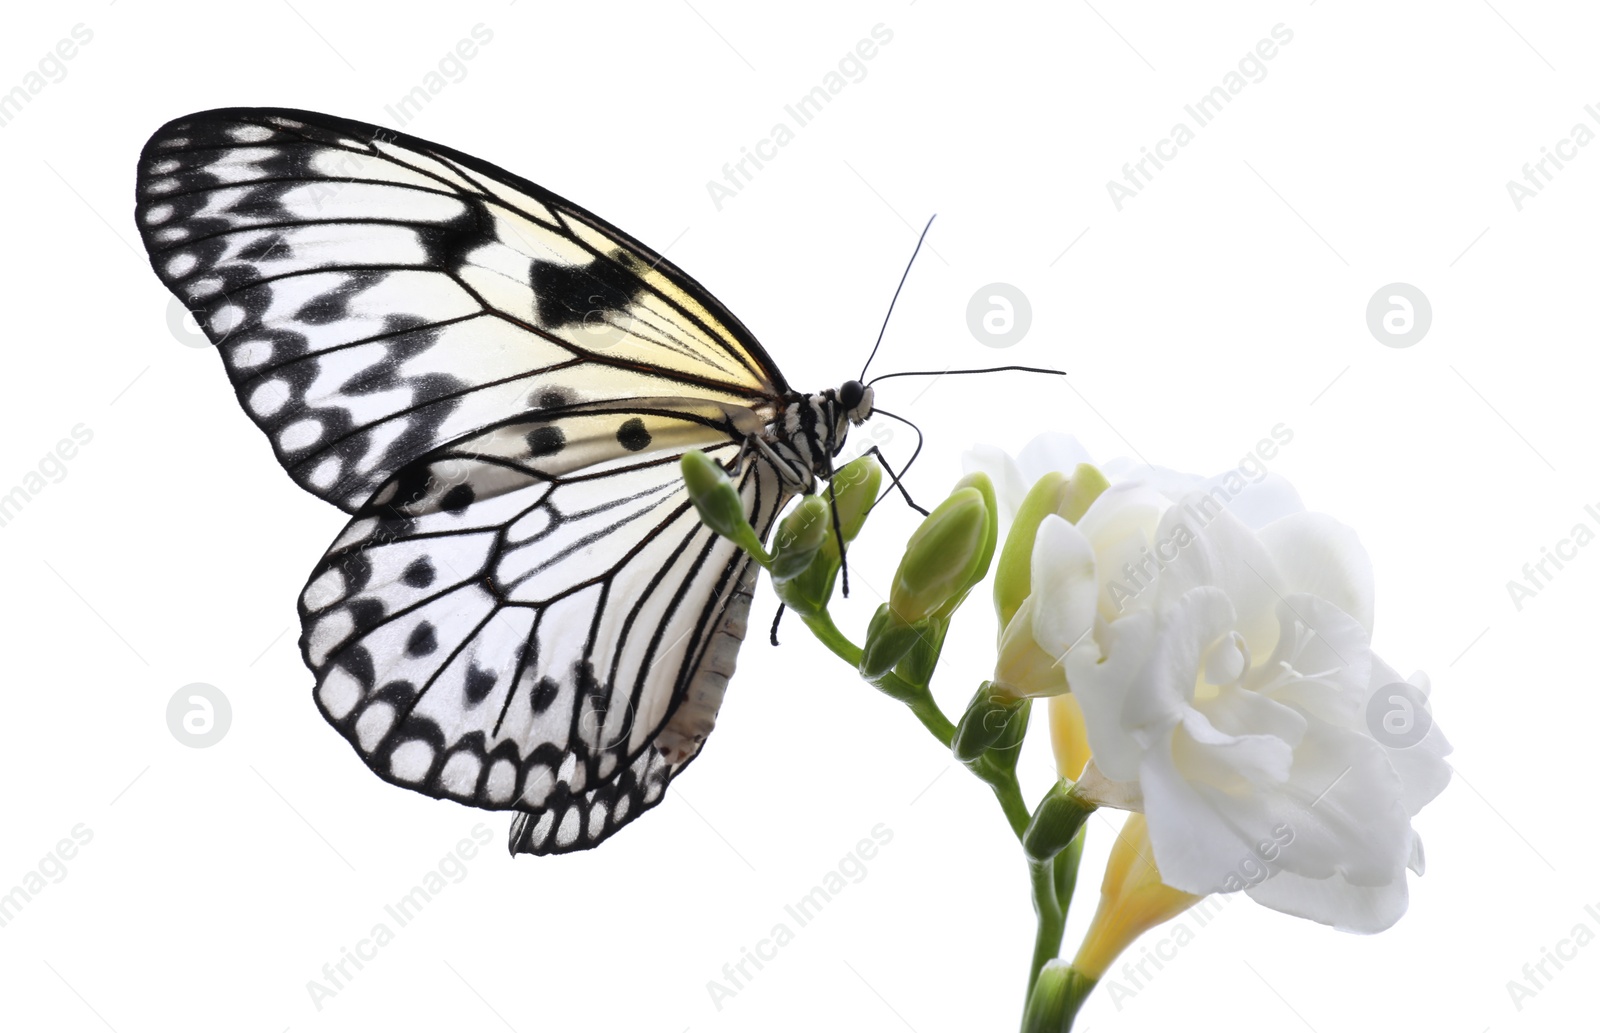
pixel 1056 998
pixel 718 502
pixel 1133 900
pixel 1055 822
pixel 1057 615
pixel 948 553
pixel 889 640
pixel 984 723
pixel 1068 498
pixel 917 666
pixel 854 488
pixel 800 537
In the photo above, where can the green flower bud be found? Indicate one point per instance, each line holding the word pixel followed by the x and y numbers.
pixel 917 666
pixel 800 537
pixel 984 724
pixel 1055 822
pixel 947 554
pixel 854 487
pixel 719 504
pixel 1068 498
pixel 1056 998
pixel 1086 485
pixel 889 640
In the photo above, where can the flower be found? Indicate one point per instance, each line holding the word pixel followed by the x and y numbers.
pixel 1230 692
pixel 1133 900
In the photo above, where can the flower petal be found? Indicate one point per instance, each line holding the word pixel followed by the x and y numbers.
pixel 1051 451
pixel 1062 577
pixel 1322 662
pixel 1210 547
pixel 1009 486
pixel 1334 901
pixel 1231 763
pixel 1319 556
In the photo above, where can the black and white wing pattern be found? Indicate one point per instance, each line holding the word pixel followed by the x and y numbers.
pixel 524 611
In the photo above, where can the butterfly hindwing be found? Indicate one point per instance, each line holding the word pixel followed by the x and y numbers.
pixel 375 296
pixel 515 624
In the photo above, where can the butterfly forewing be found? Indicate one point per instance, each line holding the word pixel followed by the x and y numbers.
pixel 525 611
pixel 375 296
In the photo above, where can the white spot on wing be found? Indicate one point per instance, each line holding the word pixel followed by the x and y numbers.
pixel 225 319
pixel 251 353
pixel 328 588
pixel 459 775
pixel 300 434
pixel 567 834
pixel 268 397
pixel 325 634
pixel 502 779
pixel 339 693
pixel 327 473
pixel 410 761
pixel 373 724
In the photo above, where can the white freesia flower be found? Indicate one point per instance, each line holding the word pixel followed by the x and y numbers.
pixel 1228 685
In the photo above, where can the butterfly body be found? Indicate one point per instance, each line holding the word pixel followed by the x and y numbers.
pixel 524 611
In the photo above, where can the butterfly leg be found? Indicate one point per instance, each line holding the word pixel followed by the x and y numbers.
pixel 894 482
pixel 786 470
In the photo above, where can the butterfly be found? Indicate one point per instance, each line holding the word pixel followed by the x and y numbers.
pixel 524 611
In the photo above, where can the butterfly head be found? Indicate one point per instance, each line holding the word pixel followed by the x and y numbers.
pixel 855 399
pixel 839 410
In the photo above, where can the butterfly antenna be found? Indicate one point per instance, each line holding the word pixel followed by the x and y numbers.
pixel 963 372
pixel 896 297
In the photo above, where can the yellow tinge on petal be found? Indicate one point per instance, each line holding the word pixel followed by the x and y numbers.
pixel 1069 736
pixel 1133 900
pixel 1023 669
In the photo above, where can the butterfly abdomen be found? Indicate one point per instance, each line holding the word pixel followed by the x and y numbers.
pixel 684 734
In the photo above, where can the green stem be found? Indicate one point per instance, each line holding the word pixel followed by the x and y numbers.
pixel 1053 883
pixel 1052 919
pixel 915 697
pixel 1006 790
pixel 1053 880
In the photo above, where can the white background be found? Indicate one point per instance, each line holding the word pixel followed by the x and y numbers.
pixel 1228 297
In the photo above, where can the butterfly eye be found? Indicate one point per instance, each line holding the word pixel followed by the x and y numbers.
pixel 850 395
